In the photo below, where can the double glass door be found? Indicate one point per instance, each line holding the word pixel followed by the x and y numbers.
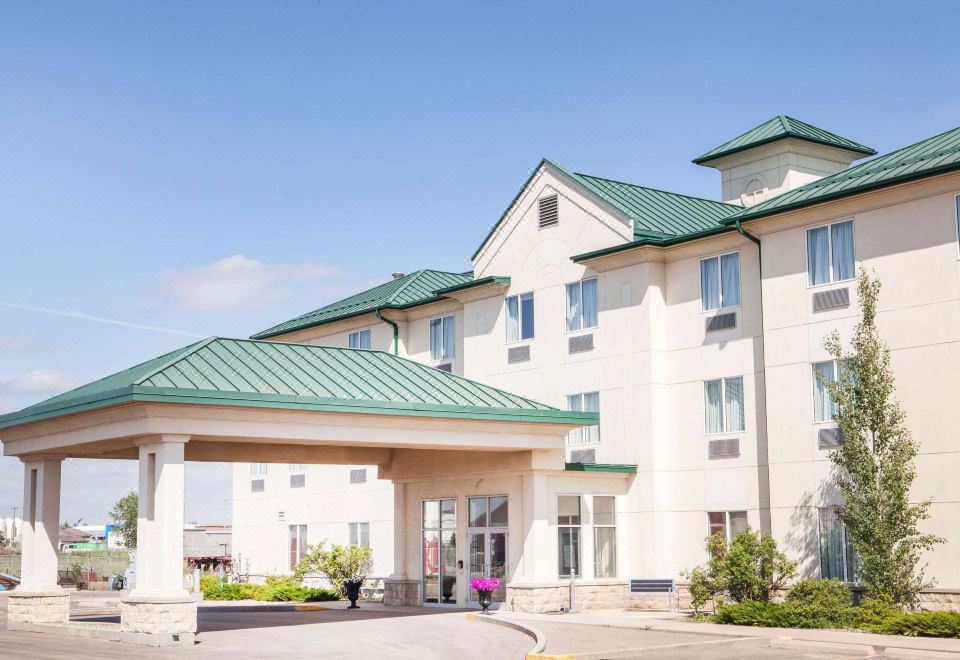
pixel 488 542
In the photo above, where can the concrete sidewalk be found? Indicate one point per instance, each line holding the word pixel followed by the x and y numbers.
pixel 858 643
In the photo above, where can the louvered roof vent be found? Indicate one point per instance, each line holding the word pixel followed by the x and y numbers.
pixel 549 216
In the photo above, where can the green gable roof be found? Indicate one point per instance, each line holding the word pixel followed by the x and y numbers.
pixel 935 155
pixel 407 291
pixel 243 372
pixel 779 128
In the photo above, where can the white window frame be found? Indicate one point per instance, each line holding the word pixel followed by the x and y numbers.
pixel 358 334
pixel 301 537
pixel 258 470
pixel 579 285
pixel 806 248
pixel 506 317
pixel 727 526
pixel 443 326
pixel 580 432
pixel 718 257
pixel 723 405
pixel 593 534
pixel 813 395
pixel 580 536
pixel 359 527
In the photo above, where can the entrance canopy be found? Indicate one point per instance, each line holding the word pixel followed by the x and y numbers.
pixel 314 403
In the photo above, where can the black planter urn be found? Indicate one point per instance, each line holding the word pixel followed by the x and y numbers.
pixel 486 599
pixel 353 592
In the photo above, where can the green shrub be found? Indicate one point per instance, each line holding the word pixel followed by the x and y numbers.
pixel 821 604
pixel 754 613
pixel 233 591
pixel 277 589
pixel 339 563
pixel 919 624
pixel 208 581
pixel 292 594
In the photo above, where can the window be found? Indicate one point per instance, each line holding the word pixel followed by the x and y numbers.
pixel 258 472
pixel 824 407
pixel 297 467
pixel 586 402
pixel 720 281
pixel 568 529
pixel 548 212
pixel 519 317
pixel 298 544
pixel 582 304
pixel 488 511
pixel 723 405
pixel 443 338
pixel 837 557
pixel 830 253
pixel 754 192
pixel 359 339
pixel 258 469
pixel 358 476
pixel 604 536
pixel 298 476
pixel 359 533
pixel 727 523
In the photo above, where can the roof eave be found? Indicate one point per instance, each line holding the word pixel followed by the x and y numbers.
pixel 649 242
pixel 708 157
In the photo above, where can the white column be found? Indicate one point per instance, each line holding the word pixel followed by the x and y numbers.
pixel 160 518
pixel 538 531
pixel 41 523
pixel 399 531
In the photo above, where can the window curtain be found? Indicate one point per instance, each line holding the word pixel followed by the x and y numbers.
pixel 436 347
pixel 526 316
pixel 709 284
pixel 604 552
pixel 591 403
pixel 818 255
pixel 590 303
pixel 513 319
pixel 730 279
pixel 733 394
pixel 822 403
pixel 841 236
pixel 713 403
pixel 449 337
pixel 831 546
pixel 575 404
pixel 573 306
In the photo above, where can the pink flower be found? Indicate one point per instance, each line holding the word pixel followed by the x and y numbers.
pixel 485 584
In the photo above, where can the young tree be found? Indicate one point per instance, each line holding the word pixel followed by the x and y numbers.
pixel 124 515
pixel 875 461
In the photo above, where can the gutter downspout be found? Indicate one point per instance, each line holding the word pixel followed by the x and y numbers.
pixel 396 332
pixel 765 466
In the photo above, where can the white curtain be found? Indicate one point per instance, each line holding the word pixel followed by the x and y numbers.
pixel 841 235
pixel 449 337
pixel 822 403
pixel 730 278
pixel 575 404
pixel 713 403
pixel 591 403
pixel 573 306
pixel 733 393
pixel 818 257
pixel 709 283
pixel 605 552
pixel 436 331
pixel 513 319
pixel 590 301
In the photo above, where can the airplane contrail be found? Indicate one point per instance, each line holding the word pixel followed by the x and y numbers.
pixel 99 319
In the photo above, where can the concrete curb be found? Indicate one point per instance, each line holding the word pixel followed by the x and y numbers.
pixel 539 639
pixel 279 607
pixel 865 650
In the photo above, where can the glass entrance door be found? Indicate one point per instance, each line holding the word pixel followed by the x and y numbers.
pixel 439 551
pixel 488 543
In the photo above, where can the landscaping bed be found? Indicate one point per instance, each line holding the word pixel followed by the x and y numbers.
pixel 276 589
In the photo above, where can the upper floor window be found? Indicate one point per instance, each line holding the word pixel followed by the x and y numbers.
pixel 359 533
pixel 582 304
pixel 359 339
pixel 830 253
pixel 720 281
pixel 519 317
pixel 723 405
pixel 824 407
pixel 443 338
pixel 585 402
pixel 258 469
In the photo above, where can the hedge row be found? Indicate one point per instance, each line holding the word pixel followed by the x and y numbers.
pixel 276 590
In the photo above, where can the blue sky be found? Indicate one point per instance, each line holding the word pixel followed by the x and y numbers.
pixel 217 167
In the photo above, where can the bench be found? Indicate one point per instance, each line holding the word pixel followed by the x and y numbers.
pixel 655 586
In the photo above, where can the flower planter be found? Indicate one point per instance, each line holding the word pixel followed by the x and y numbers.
pixel 486 599
pixel 485 588
pixel 353 592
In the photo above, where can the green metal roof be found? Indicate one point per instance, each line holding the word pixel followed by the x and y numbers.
pixel 414 289
pixel 779 128
pixel 620 468
pixel 935 155
pixel 473 284
pixel 652 211
pixel 247 373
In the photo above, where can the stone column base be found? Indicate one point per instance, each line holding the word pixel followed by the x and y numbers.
pixel 398 591
pixel 38 606
pixel 555 596
pixel 170 618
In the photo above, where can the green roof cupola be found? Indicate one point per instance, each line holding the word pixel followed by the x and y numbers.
pixel 777 156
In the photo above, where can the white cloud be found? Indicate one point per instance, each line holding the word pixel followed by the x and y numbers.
pixel 19 343
pixel 238 284
pixel 39 381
